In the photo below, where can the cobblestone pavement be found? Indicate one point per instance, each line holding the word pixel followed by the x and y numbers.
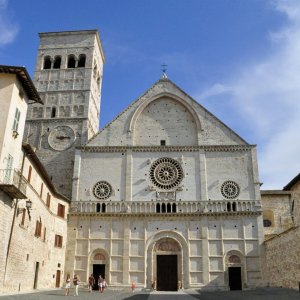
pixel 258 294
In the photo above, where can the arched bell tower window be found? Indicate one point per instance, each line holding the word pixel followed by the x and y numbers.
pixel 47 62
pixel 81 61
pixel 57 62
pixel 71 62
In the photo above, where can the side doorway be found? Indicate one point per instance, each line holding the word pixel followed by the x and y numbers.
pixel 98 269
pixel 57 283
pixel 235 278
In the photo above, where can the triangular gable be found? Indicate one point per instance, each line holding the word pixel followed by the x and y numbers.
pixel 210 130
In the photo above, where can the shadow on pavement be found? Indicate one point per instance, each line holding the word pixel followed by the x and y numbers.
pixel 257 294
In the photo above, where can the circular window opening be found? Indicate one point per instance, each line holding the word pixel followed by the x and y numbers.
pixel 102 190
pixel 230 189
pixel 166 173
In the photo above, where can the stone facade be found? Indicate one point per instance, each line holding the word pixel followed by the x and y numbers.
pixel 281 266
pixel 166 171
pixel 277 212
pixel 69 81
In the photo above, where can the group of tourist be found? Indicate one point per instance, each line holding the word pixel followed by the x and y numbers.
pixel 91 284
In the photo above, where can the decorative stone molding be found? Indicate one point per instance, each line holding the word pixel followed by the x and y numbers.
pixel 215 148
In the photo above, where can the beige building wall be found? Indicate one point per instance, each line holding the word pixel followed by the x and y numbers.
pixel 33 253
pixel 12 97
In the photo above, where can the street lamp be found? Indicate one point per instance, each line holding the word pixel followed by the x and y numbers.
pixel 28 206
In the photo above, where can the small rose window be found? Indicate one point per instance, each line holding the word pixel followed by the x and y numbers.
pixel 230 189
pixel 102 190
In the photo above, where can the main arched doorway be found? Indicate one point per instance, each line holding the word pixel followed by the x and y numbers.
pixel 167 265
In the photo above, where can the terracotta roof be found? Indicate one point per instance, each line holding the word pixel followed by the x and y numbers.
pixel 25 80
pixel 292 183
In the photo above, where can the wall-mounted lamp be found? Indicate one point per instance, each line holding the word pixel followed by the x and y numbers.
pixel 15 134
pixel 28 206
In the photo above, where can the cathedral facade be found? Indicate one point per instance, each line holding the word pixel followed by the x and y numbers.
pixel 165 196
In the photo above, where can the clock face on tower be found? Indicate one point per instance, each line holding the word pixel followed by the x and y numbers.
pixel 61 138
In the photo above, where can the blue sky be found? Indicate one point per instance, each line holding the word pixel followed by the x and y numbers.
pixel 238 58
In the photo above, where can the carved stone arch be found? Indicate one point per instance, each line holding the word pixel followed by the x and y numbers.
pixel 170 96
pixel 235 258
pixel 232 255
pixel 182 251
pixel 98 256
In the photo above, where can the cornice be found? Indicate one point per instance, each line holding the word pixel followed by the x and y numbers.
pixel 163 215
pixel 206 148
pixel 57 120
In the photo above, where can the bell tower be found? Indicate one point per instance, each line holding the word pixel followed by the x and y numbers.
pixel 68 77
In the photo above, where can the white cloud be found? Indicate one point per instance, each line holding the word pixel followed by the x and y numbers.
pixel 8 30
pixel 267 96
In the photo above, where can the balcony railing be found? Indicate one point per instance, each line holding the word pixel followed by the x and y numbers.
pixel 161 207
pixel 13 183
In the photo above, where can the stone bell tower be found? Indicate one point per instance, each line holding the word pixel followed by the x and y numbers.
pixel 68 77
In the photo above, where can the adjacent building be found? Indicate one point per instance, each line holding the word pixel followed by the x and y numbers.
pixel 281 221
pixel 33 214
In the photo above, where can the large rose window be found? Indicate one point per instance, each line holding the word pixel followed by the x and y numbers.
pixel 166 173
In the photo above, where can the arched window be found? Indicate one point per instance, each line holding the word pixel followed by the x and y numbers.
pixel 268 218
pixel 163 208
pixel 168 207
pixel 47 62
pixel 267 223
pixel 234 206
pixel 57 62
pixel 103 207
pixel 98 207
pixel 174 208
pixel 29 174
pixel 158 208
pixel 71 62
pixel 53 112
pixel 228 206
pixel 81 61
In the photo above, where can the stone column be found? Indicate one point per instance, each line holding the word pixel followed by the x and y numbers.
pixel 205 253
pixel 76 175
pixel 202 175
pixel 128 176
pixel 126 245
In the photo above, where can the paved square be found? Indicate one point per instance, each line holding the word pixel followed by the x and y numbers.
pixel 258 294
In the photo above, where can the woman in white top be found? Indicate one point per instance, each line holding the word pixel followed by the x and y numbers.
pixel 68 285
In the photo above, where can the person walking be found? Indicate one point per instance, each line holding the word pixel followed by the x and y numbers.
pixel 100 283
pixel 76 284
pixel 68 285
pixel 91 282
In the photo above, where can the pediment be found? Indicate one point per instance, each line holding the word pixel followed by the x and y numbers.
pixel 165 113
